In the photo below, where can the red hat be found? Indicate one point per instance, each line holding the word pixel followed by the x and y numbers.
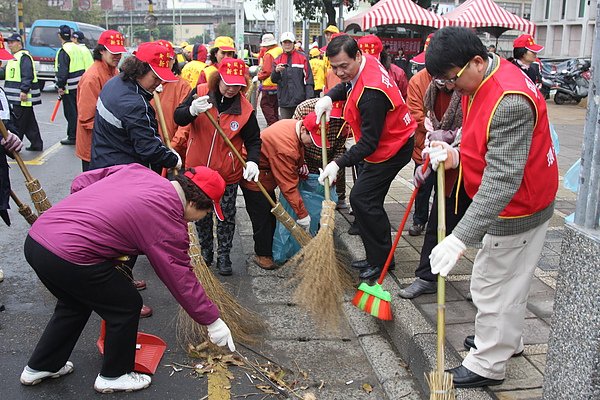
pixel 199 52
pixel 419 59
pixel 527 42
pixel 168 45
pixel 233 71
pixel 312 126
pixel 158 58
pixel 4 54
pixel 337 109
pixel 113 41
pixel 211 183
pixel 370 44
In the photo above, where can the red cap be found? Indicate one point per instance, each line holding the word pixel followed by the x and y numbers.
pixel 168 46
pixel 211 183
pixel 337 109
pixel 199 52
pixel 370 44
pixel 419 59
pixel 158 58
pixel 4 54
pixel 113 41
pixel 233 71
pixel 312 126
pixel 527 42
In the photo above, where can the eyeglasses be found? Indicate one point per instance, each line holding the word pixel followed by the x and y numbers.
pixel 452 81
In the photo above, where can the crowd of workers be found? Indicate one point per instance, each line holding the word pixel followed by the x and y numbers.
pixel 469 110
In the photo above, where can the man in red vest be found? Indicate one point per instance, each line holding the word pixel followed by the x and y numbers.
pixel 509 169
pixel 383 128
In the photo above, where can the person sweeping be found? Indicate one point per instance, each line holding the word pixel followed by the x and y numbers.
pixel 74 246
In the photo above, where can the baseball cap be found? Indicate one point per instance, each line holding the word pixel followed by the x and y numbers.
pixel 527 42
pixel 157 57
pixel 15 37
pixel 224 43
pixel 419 59
pixel 370 44
pixel 79 35
pixel 64 31
pixel 332 29
pixel 312 126
pixel 4 54
pixel 168 46
pixel 314 52
pixel 211 183
pixel 199 52
pixel 233 71
pixel 268 39
pixel 113 41
pixel 287 36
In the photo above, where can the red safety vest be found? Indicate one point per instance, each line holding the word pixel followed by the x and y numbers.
pixel 540 180
pixel 399 125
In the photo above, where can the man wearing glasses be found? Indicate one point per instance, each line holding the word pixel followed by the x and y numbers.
pixel 509 169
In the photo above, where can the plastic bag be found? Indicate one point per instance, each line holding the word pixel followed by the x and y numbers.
pixel 571 179
pixel 313 194
pixel 554 137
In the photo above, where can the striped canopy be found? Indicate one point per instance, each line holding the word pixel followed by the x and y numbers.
pixel 487 15
pixel 397 12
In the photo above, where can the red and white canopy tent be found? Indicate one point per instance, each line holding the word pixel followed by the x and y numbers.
pixel 397 12
pixel 487 16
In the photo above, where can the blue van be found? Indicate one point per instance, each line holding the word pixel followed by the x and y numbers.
pixel 43 43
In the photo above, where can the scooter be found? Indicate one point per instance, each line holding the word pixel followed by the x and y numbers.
pixel 572 84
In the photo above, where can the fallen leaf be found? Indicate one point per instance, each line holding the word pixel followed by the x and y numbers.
pixel 367 388
pixel 309 396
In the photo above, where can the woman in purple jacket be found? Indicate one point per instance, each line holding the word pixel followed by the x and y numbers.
pixel 73 248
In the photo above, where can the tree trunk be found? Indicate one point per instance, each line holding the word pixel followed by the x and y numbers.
pixel 330 11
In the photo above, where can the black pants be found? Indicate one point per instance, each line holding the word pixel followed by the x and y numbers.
pixel 81 289
pixel 85 165
pixel 27 126
pixel 422 199
pixel 430 241
pixel 70 110
pixel 367 197
pixel 263 221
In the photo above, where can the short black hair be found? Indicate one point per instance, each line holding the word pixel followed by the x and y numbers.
pixel 212 55
pixel 344 43
pixel 452 47
pixel 97 52
pixel 519 52
pixel 133 68
pixel 193 193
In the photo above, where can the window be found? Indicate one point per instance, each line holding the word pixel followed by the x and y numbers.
pixel 45 36
pixel 582 4
pixel 547 13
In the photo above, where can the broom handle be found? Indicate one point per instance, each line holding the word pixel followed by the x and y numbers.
pixel 163 126
pixel 324 153
pixel 401 228
pixel 441 282
pixel 18 158
pixel 238 155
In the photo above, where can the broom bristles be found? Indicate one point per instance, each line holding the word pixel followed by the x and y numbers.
pixel 374 300
pixel 441 385
pixel 38 196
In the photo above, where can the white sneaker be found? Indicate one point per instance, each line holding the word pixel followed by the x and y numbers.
pixel 31 377
pixel 1 275
pixel 125 383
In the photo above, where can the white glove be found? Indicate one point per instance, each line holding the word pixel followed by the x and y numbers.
pixel 324 105
pixel 442 151
pixel 251 171
pixel 159 88
pixel 12 143
pixel 427 123
pixel 445 255
pixel 330 172
pixel 255 79
pixel 200 105
pixel 178 166
pixel 304 223
pixel 219 334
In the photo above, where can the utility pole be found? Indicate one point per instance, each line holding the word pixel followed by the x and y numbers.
pixel 239 27
pixel 150 20
pixel 19 23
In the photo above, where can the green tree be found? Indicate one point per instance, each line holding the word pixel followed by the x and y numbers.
pixel 39 9
pixel 224 29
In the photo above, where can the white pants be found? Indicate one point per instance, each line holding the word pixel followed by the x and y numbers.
pixel 502 274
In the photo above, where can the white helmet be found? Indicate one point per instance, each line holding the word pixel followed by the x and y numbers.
pixel 289 36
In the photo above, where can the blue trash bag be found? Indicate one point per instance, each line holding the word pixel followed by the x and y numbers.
pixel 571 179
pixel 313 194
pixel 554 136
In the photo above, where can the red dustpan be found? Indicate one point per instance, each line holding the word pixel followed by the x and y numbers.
pixel 149 350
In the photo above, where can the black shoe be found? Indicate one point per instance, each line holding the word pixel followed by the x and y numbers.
pixel 416 229
pixel 353 230
pixel 360 264
pixel 33 148
pixel 469 344
pixel 464 378
pixel 370 273
pixel 208 256
pixel 224 266
pixel 68 142
pixel 417 288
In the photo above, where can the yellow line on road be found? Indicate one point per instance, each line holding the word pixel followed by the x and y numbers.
pixel 42 158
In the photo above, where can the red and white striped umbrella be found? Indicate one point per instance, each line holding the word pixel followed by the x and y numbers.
pixel 487 14
pixel 397 12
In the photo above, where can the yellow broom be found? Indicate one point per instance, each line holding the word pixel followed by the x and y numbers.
pixel 38 196
pixel 440 382
pixel 321 275
pixel 243 323
pixel 24 209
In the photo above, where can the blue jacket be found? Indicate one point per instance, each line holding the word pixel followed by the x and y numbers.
pixel 125 128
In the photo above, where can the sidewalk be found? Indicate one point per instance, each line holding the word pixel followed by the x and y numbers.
pixel 413 331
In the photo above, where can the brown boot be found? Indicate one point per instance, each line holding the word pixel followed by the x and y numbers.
pixel 146 311
pixel 265 262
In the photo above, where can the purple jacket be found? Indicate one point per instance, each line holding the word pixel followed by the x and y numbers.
pixel 126 210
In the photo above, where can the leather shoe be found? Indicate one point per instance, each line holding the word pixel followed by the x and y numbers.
pixel 265 262
pixel 68 142
pixel 416 229
pixel 353 230
pixel 139 285
pixel 465 378
pixel 469 344
pixel 33 148
pixel 224 266
pixel 417 288
pixel 364 264
pixel 146 311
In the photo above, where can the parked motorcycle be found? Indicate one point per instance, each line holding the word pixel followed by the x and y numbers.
pixel 571 84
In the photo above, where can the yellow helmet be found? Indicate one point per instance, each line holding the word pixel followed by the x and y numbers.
pixel 183 44
pixel 314 52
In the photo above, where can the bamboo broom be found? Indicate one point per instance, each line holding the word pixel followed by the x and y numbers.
pixel 441 386
pixel 38 196
pixel 24 209
pixel 321 274
pixel 243 323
